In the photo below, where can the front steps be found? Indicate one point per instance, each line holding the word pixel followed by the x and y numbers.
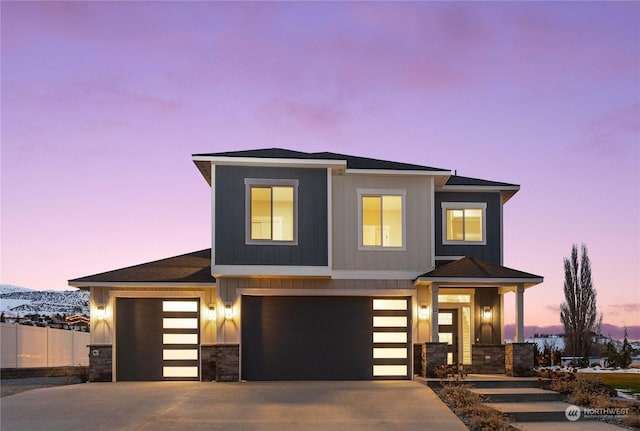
pixel 528 402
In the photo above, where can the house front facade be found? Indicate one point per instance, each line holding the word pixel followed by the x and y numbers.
pixel 322 266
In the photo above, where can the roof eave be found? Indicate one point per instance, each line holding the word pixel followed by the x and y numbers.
pixel 429 173
pixel 270 161
pixel 494 281
pixel 507 192
pixel 85 285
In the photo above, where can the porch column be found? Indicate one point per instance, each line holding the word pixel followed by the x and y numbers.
pixel 434 312
pixel 519 313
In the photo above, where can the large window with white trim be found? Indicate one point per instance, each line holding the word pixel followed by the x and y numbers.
pixel 381 217
pixel 464 223
pixel 271 211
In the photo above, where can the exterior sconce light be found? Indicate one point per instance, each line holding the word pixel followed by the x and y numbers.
pixel 424 312
pixel 486 314
pixel 101 312
pixel 211 313
pixel 228 310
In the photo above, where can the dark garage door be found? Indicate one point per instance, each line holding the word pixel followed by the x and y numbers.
pixel 157 339
pixel 308 338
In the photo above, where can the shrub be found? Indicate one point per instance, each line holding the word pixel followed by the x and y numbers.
pixel 460 396
pixel 632 420
pixel 468 406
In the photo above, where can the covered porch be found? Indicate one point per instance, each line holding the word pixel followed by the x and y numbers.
pixel 461 318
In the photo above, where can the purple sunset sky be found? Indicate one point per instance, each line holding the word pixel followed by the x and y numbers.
pixel 104 103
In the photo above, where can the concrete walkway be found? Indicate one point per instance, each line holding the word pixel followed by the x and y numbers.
pixel 282 406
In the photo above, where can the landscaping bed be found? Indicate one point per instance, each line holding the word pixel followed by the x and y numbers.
pixel 588 390
pixel 468 405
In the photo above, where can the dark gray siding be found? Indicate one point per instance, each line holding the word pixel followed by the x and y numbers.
pixel 487 332
pixel 230 247
pixel 492 250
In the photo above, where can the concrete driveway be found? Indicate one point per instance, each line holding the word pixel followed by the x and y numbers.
pixel 281 406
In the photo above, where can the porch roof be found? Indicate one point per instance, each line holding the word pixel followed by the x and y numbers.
pixel 469 270
pixel 185 270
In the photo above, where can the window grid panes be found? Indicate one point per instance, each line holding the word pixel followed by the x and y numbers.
pixel 464 225
pixel 382 221
pixel 272 213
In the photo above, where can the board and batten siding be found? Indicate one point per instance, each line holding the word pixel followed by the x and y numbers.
pixel 416 256
pixel 230 218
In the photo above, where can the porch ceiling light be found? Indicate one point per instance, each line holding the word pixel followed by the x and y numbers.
pixel 424 312
pixel 486 314
pixel 228 310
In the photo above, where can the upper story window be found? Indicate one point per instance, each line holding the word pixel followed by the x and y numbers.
pixel 464 223
pixel 272 211
pixel 381 219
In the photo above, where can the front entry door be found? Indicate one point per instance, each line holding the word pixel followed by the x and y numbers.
pixel 448 332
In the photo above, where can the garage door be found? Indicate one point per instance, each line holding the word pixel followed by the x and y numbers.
pixel 157 339
pixel 325 338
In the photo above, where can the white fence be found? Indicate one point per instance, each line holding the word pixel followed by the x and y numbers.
pixel 31 346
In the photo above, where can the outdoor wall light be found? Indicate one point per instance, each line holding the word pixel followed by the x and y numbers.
pixel 424 311
pixel 211 312
pixel 101 312
pixel 228 310
pixel 486 314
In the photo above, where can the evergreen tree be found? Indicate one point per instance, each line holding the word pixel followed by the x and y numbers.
pixel 578 312
pixel 626 352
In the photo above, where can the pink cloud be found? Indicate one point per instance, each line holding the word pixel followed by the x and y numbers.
pixel 631 308
pixel 316 117
pixel 614 131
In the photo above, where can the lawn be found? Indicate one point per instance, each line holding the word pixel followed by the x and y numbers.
pixel 629 381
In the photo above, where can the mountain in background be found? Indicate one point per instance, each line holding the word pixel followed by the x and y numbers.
pixel 16 300
pixel 608 330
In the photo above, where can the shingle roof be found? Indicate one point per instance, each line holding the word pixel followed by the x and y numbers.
pixel 353 162
pixel 469 267
pixel 192 267
pixel 455 180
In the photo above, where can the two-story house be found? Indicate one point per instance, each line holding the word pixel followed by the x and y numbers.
pixel 322 266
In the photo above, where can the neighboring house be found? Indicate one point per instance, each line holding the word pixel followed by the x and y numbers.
pixel 322 266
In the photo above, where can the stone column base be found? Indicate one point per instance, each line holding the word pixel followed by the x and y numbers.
pixel 433 356
pixel 100 363
pixel 227 362
pixel 208 362
pixel 487 359
pixel 519 359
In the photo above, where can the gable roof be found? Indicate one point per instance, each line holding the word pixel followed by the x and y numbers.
pixel 188 269
pixel 472 269
pixel 352 162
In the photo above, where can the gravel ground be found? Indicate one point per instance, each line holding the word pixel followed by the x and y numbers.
pixel 15 386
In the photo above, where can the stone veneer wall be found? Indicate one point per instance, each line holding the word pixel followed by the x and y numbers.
pixel 227 362
pixel 519 359
pixel 487 359
pixel 100 363
pixel 433 356
pixel 208 362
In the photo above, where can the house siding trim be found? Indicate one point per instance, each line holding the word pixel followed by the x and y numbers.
pixel 271 270
pixel 342 274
